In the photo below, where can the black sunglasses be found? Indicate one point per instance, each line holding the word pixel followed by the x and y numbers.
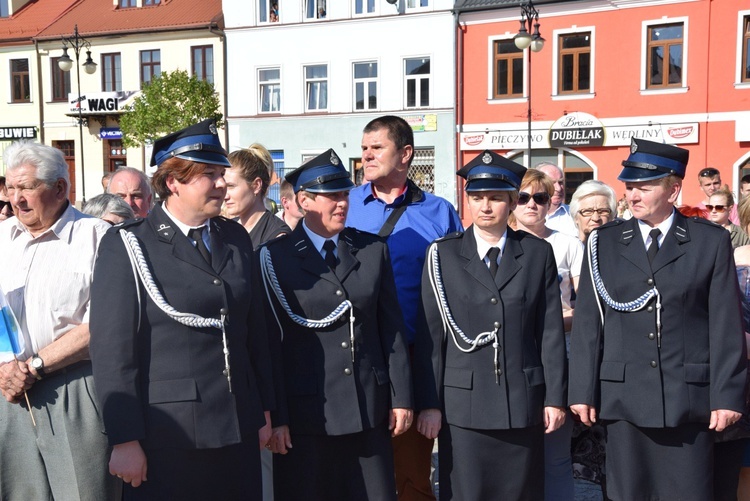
pixel 4 204
pixel 708 172
pixel 719 208
pixel 540 198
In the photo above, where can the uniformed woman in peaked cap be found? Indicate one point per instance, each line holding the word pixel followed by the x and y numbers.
pixel 345 383
pixel 180 355
pixel 491 366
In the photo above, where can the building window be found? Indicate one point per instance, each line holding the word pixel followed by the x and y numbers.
pixel 150 66
pixel 746 49
pixel 19 78
pixel 124 4
pixel 315 9
pixel 508 74
pixel 422 169
pixel 151 2
pixel 111 72
pixel 416 4
pixel 4 8
pixel 270 90
pixel 665 56
pixel 417 75
pixel 575 63
pixel 202 61
pixel 316 87
pixel 268 11
pixel 60 81
pixel 366 86
pixel 278 167
pixel 364 7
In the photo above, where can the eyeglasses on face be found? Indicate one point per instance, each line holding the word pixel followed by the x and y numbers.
pixel 540 198
pixel 4 205
pixel 718 208
pixel 590 212
pixel 708 172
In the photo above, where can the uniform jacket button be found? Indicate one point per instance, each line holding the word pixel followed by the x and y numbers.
pixel 653 363
pixel 339 293
pixel 499 372
pixel 651 335
pixel 650 281
pixel 493 300
pixel 345 345
pixel 650 309
pixel 497 325
pixel 224 311
pixel 217 281
pixel 348 371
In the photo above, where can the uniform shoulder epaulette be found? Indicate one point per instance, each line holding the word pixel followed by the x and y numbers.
pixel 128 223
pixel 450 236
pixel 275 239
pixel 701 220
pixel 612 224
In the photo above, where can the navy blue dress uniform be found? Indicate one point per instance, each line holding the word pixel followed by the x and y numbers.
pixel 340 381
pixel 669 348
pixel 492 394
pixel 195 409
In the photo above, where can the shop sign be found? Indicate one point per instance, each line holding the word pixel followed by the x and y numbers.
pixel 503 140
pixel 13 133
pixel 102 103
pixel 575 130
pixel 110 133
pixel 680 133
pixel 422 123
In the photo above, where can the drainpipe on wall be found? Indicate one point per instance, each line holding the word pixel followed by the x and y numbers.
pixel 40 91
pixel 223 39
pixel 459 44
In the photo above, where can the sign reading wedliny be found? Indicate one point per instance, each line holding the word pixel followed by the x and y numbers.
pixel 12 133
pixel 100 102
pixel 575 130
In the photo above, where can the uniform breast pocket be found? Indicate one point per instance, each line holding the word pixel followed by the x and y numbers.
pixel 174 390
pixel 459 378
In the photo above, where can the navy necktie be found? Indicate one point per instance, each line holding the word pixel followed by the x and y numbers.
pixel 654 247
pixel 492 256
pixel 197 235
pixel 330 257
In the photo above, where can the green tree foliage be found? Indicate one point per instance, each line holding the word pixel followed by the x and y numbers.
pixel 169 103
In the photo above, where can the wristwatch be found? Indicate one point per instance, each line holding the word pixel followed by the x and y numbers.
pixel 38 364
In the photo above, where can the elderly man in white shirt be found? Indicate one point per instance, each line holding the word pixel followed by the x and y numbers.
pixel 559 217
pixel 48 252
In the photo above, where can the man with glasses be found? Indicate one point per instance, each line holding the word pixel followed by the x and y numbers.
pixel 657 351
pixel 709 179
pixel 559 217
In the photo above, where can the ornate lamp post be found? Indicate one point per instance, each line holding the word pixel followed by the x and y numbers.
pixel 533 41
pixel 77 43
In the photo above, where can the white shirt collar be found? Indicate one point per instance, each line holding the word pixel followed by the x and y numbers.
pixel 664 227
pixel 184 228
pixel 484 246
pixel 317 240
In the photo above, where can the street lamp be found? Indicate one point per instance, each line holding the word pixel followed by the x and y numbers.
pixel 77 42
pixel 534 42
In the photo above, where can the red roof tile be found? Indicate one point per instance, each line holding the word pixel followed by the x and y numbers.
pixel 102 17
pixel 32 18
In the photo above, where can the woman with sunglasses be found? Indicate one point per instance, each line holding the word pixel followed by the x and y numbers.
pixel 491 363
pixel 530 215
pixel 6 210
pixel 719 207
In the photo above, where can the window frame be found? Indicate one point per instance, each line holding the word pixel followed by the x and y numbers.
pixel 561 52
pixel 202 49
pixel 316 16
pixel 417 87
pixel 271 83
pixel 365 8
pixel 742 76
pixel 151 65
pixel 25 82
pixel 127 4
pixel 312 81
pixel 646 86
pixel 493 70
pixel 59 78
pixel 115 73
pixel 266 5
pixel 365 81
pixel 412 8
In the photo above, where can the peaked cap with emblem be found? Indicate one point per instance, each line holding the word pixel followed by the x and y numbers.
pixel 492 172
pixel 322 174
pixel 198 143
pixel 649 160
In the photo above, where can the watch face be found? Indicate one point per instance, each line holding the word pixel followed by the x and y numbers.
pixel 37 363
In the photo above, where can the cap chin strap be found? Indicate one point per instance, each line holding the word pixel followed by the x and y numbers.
pixel 324 179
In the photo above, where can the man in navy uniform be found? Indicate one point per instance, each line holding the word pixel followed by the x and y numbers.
pixel 345 383
pixel 657 349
